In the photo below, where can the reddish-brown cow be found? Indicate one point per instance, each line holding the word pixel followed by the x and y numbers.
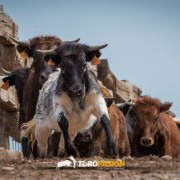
pixel 155 132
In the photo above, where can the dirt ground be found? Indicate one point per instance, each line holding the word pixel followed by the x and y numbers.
pixel 150 167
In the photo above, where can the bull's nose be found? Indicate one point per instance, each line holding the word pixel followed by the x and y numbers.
pixel 146 141
pixel 76 91
pixel 88 137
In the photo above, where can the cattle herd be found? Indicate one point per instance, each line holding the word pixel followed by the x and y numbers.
pixel 65 110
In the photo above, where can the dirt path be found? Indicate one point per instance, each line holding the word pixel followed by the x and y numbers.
pixel 150 167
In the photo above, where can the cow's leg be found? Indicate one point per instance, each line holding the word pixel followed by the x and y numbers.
pixel 53 143
pixel 61 151
pixel 25 144
pixel 25 147
pixel 64 124
pixel 41 135
pixel 102 114
pixel 111 147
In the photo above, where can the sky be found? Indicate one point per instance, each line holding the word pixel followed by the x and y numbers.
pixel 143 36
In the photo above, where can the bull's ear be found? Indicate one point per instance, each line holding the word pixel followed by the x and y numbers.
pixel 52 60
pixel 24 50
pixel 93 54
pixel 8 81
pixel 165 106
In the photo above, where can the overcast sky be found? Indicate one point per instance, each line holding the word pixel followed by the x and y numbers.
pixel 143 36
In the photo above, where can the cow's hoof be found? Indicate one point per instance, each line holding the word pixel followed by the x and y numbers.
pixel 112 150
pixel 25 147
pixel 42 155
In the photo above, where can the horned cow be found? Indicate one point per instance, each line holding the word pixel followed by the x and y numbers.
pixel 70 97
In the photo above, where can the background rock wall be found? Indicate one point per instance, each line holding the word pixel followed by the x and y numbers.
pixel 8 28
pixel 8 60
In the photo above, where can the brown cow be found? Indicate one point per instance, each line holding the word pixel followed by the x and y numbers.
pixel 89 143
pixel 155 132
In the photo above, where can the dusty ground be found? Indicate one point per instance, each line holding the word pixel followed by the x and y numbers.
pixel 150 167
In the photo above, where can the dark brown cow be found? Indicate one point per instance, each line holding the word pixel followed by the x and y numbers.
pixel 39 70
pixel 155 132
pixel 89 143
pixel 38 74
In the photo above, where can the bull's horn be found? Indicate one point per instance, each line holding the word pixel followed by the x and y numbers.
pixel 125 103
pixel 47 52
pixel 120 105
pixel 95 48
pixel 23 43
pixel 74 41
pixel 130 103
pixel 6 72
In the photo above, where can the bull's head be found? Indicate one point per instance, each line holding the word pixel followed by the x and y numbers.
pixel 147 113
pixel 73 59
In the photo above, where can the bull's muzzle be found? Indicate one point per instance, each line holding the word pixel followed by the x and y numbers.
pixel 76 91
pixel 146 141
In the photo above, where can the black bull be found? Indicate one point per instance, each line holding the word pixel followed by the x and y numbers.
pixel 69 98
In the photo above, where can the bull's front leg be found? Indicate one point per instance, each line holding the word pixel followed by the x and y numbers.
pixel 111 147
pixel 64 124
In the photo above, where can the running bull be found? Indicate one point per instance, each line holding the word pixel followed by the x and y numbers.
pixel 71 97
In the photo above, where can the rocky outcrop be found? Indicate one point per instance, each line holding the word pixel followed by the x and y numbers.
pixel 8 60
pixel 8 156
pixel 123 90
pixel 8 28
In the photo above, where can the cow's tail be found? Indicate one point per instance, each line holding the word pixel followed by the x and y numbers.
pixel 28 130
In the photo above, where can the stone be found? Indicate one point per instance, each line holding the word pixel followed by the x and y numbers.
pixel 7 169
pixel 123 90
pixel 9 156
pixel 8 60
